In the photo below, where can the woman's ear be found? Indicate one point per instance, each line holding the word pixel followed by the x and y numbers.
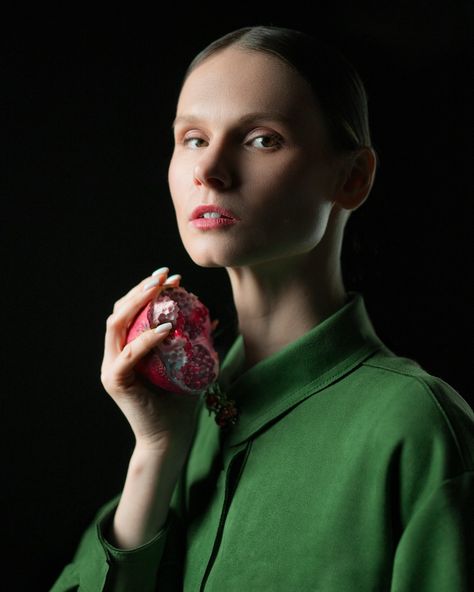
pixel 357 177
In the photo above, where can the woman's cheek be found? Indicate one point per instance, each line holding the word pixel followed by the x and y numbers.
pixel 177 186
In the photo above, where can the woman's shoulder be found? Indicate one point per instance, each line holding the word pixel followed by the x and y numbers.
pixel 413 384
pixel 418 405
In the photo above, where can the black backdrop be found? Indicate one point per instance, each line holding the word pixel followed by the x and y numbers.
pixel 87 214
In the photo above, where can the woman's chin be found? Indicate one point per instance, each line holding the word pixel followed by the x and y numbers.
pixel 201 263
pixel 226 254
pixel 205 258
pixel 214 259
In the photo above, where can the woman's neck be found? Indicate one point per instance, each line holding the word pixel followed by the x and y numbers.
pixel 280 301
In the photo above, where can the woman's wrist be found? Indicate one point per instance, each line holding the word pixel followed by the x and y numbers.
pixel 144 504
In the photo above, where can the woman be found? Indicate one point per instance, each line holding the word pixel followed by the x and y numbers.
pixel 349 467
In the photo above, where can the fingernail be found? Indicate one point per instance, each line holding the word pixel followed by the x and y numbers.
pixel 163 328
pixel 151 284
pixel 172 279
pixel 161 270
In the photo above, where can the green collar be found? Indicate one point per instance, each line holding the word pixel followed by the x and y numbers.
pixel 313 361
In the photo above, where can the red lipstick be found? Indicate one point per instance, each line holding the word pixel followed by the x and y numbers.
pixel 225 214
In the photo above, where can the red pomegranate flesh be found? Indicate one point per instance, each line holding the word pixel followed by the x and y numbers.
pixel 186 361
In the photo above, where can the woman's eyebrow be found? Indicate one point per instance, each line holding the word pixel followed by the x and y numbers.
pixel 266 115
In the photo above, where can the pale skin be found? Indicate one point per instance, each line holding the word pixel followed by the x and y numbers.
pixel 282 257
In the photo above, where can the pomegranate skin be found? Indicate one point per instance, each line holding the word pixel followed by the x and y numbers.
pixel 185 362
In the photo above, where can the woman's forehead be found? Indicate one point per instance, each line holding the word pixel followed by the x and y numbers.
pixel 245 82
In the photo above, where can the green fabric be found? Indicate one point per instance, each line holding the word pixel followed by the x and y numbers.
pixel 350 469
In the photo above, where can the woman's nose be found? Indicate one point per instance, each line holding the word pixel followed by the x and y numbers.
pixel 211 170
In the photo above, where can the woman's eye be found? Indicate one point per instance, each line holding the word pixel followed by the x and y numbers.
pixel 187 140
pixel 273 138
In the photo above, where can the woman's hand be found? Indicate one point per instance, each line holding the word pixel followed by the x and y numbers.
pixel 159 419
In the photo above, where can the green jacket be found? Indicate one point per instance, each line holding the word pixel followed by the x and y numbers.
pixel 349 469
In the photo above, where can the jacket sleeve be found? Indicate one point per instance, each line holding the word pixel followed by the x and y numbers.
pixel 97 566
pixel 435 552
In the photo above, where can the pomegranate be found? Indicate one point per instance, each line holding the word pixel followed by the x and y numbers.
pixel 186 361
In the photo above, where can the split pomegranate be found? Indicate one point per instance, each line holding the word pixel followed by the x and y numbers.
pixel 186 361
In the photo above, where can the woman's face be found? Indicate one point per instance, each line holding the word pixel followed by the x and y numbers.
pixel 271 171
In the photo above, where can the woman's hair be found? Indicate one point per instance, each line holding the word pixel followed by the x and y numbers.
pixel 336 85
pixel 338 91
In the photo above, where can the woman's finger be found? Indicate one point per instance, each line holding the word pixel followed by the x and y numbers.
pixel 172 281
pixel 161 272
pixel 121 372
pixel 119 322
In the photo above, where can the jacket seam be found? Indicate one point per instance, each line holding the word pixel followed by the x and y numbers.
pixel 432 397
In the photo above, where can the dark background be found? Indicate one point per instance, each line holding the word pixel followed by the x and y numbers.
pixel 87 214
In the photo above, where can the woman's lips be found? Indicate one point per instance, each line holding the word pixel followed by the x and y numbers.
pixel 210 223
pixel 207 208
